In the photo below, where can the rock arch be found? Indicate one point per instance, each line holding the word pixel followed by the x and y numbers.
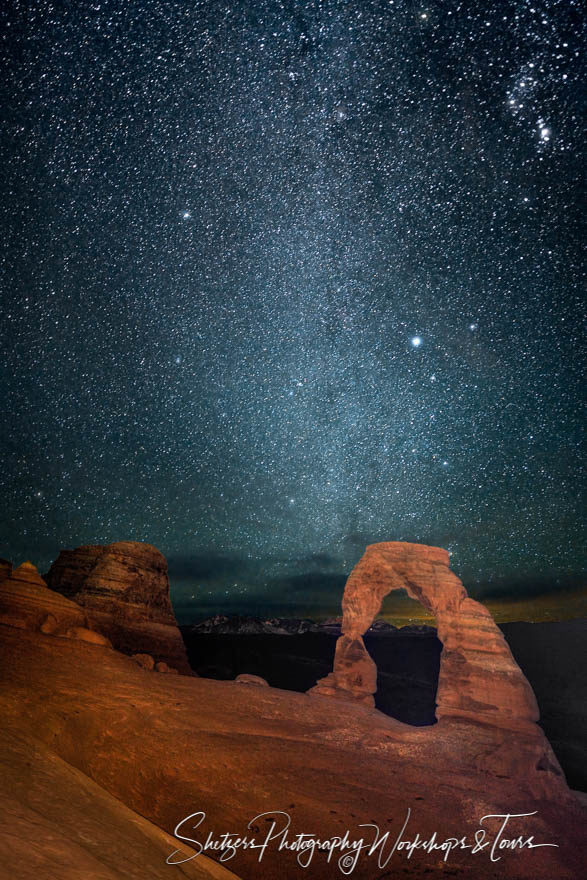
pixel 478 678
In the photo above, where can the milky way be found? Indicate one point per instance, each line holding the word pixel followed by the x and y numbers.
pixel 281 279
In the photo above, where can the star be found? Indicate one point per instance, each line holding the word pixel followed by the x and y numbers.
pixel 220 235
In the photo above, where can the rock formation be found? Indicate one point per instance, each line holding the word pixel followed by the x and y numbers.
pixel 85 730
pixel 145 661
pixel 166 746
pixel 479 678
pixel 80 830
pixel 27 603
pixel 124 590
pixel 255 680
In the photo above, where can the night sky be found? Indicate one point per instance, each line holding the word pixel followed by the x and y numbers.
pixel 281 279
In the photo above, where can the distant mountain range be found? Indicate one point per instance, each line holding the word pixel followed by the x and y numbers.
pixel 236 624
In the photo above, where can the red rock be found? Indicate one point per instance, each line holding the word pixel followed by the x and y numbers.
pixel 165 669
pixel 87 635
pixel 478 679
pixel 80 830
pixel 167 746
pixel 145 661
pixel 27 603
pixel 124 590
pixel 255 680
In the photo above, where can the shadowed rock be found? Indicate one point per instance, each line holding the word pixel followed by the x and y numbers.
pixel 5 569
pixel 124 590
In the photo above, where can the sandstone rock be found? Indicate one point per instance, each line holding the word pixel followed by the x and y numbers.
pixel 124 590
pixel 27 603
pixel 479 679
pixel 255 680
pixel 87 635
pixel 144 660
pixel 167 746
pixel 80 830
pixel 49 625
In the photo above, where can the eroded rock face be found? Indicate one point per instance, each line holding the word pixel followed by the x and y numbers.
pixel 27 603
pixel 167 745
pixel 479 678
pixel 124 590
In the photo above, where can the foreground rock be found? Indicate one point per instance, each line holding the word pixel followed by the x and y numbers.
pixel 123 589
pixel 55 822
pixel 27 603
pixel 168 746
pixel 255 680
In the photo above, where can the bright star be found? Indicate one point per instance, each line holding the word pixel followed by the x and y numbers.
pixel 416 341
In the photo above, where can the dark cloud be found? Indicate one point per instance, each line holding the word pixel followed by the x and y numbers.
pixel 313 582
pixel 530 587
pixel 206 566
pixel 319 560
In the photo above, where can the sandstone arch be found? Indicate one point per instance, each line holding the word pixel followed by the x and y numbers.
pixel 478 678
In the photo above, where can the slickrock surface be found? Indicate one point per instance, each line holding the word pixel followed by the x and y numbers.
pixel 124 590
pixel 168 746
pixel 479 678
pixel 57 824
pixel 26 602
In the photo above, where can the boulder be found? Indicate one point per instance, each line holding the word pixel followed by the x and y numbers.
pixel 255 680
pixel 82 634
pixel 124 590
pixel 145 661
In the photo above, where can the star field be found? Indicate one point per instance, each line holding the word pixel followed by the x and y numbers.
pixel 281 279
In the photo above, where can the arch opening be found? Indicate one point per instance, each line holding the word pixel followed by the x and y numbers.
pixel 407 660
